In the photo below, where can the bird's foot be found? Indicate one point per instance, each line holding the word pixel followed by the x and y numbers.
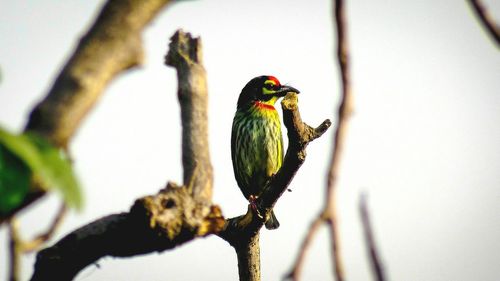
pixel 253 205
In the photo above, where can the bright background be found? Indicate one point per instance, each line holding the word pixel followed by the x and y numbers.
pixel 424 141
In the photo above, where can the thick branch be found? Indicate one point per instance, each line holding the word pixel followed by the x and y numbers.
pixel 154 224
pixel 249 259
pixel 112 45
pixel 185 54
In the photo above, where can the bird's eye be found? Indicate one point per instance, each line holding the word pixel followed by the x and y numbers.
pixel 269 86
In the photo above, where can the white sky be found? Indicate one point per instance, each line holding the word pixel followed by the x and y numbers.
pixel 424 141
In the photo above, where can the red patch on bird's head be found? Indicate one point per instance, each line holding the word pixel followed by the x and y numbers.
pixel 274 79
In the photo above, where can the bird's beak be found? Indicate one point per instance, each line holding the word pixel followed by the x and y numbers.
pixel 286 89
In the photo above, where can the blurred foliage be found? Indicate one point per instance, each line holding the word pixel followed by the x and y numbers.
pixel 28 159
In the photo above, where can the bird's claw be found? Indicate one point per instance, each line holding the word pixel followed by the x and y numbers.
pixel 253 205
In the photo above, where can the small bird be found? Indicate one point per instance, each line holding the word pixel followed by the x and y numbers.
pixel 256 139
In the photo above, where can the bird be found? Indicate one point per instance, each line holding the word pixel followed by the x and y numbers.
pixel 256 139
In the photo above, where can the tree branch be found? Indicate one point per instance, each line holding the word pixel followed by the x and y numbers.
pixel 377 267
pixel 294 274
pixel 299 135
pixel 185 54
pixel 173 216
pixel 14 250
pixel 329 213
pixel 248 255
pixel 242 232
pixel 38 241
pixel 178 214
pixel 155 223
pixel 486 20
pixel 111 46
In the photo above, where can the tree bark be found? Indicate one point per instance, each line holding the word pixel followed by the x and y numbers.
pixel 249 259
pixel 185 55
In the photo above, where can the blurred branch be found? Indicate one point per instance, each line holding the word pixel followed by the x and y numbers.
pixel 329 214
pixel 185 55
pixel 14 250
pixel 17 246
pixel 486 20
pixel 37 242
pixel 111 46
pixel 294 274
pixel 370 240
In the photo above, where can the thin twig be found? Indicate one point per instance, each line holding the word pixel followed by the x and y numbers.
pixel 14 250
pixel 370 240
pixel 306 243
pixel 17 246
pixel 33 245
pixel 343 115
pixel 487 21
pixel 329 214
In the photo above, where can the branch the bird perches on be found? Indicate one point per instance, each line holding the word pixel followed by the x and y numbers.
pixel 178 214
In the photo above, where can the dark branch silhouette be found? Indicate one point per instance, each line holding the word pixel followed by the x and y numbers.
pixel 486 21
pixel 373 253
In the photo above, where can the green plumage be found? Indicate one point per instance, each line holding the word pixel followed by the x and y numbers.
pixel 256 140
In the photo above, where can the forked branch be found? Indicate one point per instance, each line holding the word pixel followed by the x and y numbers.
pixel 178 214
pixel 155 223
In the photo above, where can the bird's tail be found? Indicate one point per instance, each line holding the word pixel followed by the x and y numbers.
pixel 272 222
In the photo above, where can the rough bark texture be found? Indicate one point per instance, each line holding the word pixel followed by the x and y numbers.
pixel 154 224
pixel 185 54
pixel 111 46
pixel 248 254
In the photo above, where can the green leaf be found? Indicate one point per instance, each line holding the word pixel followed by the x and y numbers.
pixel 58 172
pixel 48 164
pixel 15 178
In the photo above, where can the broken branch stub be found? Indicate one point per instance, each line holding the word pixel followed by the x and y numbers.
pixel 175 214
pixel 186 57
